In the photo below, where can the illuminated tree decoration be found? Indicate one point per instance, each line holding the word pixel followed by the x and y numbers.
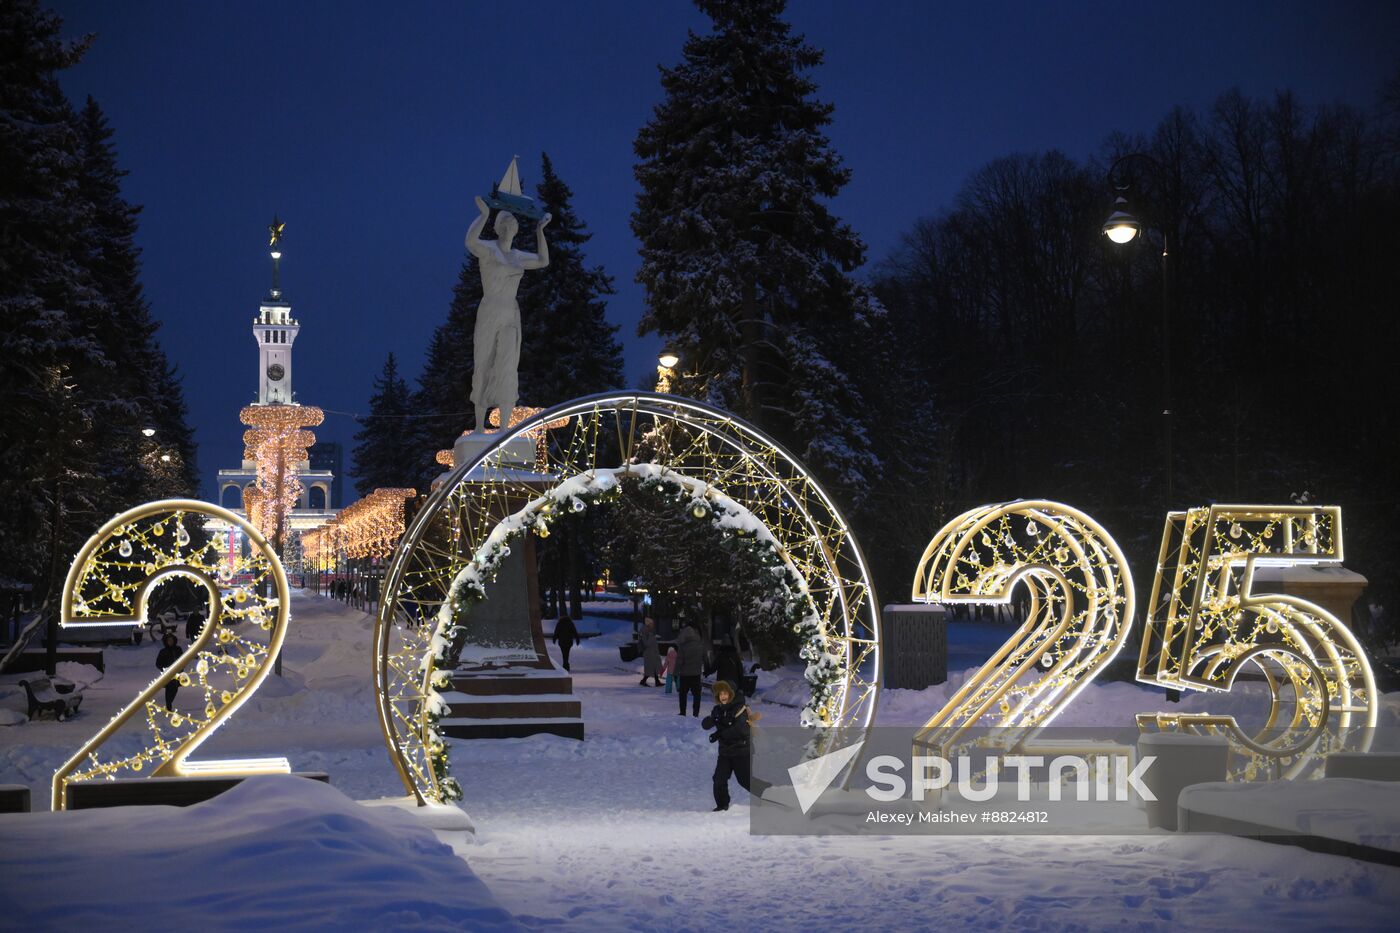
pixel 1207 625
pixel 707 461
pixel 368 528
pixel 1079 610
pixel 277 442
pixel 109 583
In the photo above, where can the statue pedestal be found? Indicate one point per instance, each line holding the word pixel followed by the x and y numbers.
pixel 520 452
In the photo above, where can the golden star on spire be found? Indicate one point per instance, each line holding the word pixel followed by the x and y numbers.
pixel 274 231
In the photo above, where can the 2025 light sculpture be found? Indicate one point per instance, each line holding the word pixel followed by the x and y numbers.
pixel 1080 604
pixel 110 583
pixel 718 463
pixel 1207 626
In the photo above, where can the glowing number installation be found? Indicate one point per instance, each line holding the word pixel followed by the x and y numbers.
pixel 1207 627
pixel 109 584
pixel 1080 605
pixel 725 469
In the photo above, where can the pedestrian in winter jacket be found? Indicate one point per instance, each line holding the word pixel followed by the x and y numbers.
pixel 690 661
pixel 565 636
pixel 730 719
pixel 169 651
pixel 651 653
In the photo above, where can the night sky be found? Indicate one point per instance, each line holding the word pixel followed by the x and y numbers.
pixel 369 129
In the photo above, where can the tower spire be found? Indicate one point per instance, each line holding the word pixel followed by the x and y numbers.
pixel 274 241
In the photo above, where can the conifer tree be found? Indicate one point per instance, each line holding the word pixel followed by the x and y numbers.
pixel 442 401
pixel 746 270
pixel 45 300
pixel 568 348
pixel 384 443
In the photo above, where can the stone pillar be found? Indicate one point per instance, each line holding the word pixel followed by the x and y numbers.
pixel 914 642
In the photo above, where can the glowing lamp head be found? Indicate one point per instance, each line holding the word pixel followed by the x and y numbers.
pixel 668 358
pixel 277 254
pixel 1121 226
pixel 148 431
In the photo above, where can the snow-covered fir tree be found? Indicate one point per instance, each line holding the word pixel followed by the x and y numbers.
pixel 82 372
pixel 747 271
pixel 568 348
pixel 442 400
pixel 384 442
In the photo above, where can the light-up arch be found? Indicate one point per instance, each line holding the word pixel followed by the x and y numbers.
pixel 710 453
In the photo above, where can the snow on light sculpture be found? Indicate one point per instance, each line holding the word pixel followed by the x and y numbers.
pixel 109 584
pixel 714 457
pixel 1080 608
pixel 1207 625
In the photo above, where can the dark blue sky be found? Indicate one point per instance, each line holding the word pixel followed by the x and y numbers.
pixel 369 127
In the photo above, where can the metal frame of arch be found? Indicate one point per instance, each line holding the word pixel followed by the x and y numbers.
pixel 613 430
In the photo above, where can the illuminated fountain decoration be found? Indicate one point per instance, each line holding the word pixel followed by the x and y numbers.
pixel 719 468
pixel 1207 628
pixel 1080 608
pixel 109 585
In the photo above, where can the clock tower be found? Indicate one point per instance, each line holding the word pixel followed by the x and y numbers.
pixel 275 330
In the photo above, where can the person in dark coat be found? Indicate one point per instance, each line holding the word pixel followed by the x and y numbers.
pixel 169 651
pixel 690 661
pixel 731 720
pixel 651 653
pixel 565 636
pixel 194 625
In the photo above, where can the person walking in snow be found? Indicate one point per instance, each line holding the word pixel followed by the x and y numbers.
pixel 690 661
pixel 668 668
pixel 651 653
pixel 730 719
pixel 565 636
pixel 169 651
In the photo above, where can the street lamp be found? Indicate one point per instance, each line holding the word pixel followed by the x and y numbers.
pixel 1122 227
pixel 148 431
pixel 666 364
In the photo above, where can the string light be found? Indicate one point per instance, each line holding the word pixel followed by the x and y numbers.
pixel 684 445
pixel 110 582
pixel 1079 609
pixel 1207 624
pixel 277 443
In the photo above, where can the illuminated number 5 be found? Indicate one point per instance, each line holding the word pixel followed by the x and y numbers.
pixel 1079 608
pixel 109 584
pixel 1207 627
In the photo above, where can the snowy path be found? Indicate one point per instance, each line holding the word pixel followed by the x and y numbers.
pixel 616 833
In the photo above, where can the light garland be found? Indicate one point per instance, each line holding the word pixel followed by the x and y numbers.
pixel 1207 624
pixel 368 528
pixel 109 583
pixel 277 442
pixel 518 415
pixel 692 447
pixel 1080 608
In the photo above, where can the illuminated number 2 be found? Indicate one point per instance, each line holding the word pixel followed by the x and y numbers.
pixel 110 582
pixel 1080 607
pixel 1207 627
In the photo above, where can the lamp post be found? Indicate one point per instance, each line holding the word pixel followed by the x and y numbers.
pixel 1122 226
pixel 666 364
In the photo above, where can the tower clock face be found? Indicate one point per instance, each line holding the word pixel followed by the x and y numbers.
pixel 275 372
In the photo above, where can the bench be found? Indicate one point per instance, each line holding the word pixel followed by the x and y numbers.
pixel 44 696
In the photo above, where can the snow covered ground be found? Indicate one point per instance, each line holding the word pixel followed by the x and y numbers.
pixel 616 833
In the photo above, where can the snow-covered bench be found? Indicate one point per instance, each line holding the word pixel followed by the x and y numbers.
pixel 43 697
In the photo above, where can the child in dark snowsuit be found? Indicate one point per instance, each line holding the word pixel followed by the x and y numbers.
pixel 169 651
pixel 730 719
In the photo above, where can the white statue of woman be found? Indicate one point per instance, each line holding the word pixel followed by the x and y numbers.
pixel 496 339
